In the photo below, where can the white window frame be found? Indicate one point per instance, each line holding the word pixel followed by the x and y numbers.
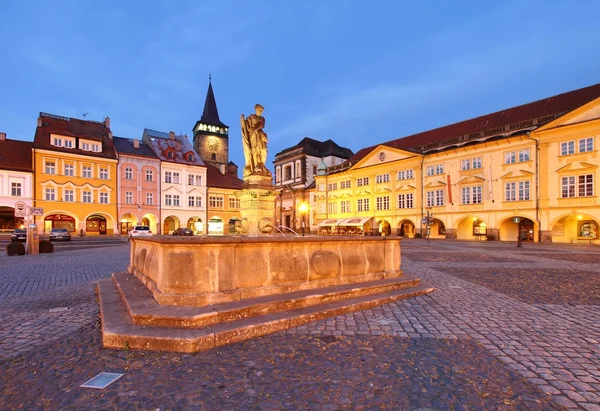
pixel 128 173
pixel 586 144
pixel 69 196
pixel 465 164
pixel 87 172
pixel 50 167
pixel 86 196
pixel 69 170
pixel 477 163
pixel 50 194
pixel 16 189
pixel 567 147
pixel 103 173
pixel 103 198
pixel 149 199
pixel 149 175
pixel 128 197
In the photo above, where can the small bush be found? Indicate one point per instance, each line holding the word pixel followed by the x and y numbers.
pixel 46 247
pixel 417 235
pixel 15 249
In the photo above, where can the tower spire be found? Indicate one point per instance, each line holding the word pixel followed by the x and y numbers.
pixel 210 115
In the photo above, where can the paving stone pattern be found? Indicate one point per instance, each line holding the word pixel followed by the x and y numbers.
pixel 487 339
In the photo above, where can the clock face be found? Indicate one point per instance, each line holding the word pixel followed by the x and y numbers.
pixel 213 144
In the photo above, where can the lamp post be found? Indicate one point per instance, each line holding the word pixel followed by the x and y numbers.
pixel 303 209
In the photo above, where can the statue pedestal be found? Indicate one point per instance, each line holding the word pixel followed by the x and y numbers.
pixel 257 205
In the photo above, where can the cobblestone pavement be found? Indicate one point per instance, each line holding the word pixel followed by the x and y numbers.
pixel 487 339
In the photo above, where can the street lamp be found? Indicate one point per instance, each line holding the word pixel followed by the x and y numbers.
pixel 303 210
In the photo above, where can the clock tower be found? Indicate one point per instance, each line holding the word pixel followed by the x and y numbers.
pixel 211 136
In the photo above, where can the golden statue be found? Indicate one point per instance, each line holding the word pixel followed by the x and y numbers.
pixel 255 140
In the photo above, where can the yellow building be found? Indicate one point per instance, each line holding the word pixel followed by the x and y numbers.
pixel 477 179
pixel 223 191
pixel 75 175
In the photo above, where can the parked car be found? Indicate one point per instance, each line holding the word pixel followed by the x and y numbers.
pixel 60 234
pixel 18 235
pixel 183 232
pixel 140 231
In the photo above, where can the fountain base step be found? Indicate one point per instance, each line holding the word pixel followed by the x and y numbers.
pixel 131 318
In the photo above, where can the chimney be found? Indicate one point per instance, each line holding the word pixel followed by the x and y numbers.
pixel 222 168
pixel 172 135
pixel 107 122
pixel 40 121
pixel 136 143
pixel 2 136
pixel 110 134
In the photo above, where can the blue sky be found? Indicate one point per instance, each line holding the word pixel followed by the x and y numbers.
pixel 359 73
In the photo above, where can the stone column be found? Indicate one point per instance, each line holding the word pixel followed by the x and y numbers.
pixel 257 206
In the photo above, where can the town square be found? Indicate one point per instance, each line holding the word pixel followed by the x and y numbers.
pixel 299 206
pixel 488 338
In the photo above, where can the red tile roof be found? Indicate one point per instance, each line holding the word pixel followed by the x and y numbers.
pixel 216 179
pixel 89 130
pixel 505 122
pixel 16 155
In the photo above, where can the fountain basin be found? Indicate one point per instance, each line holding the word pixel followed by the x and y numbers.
pixel 200 271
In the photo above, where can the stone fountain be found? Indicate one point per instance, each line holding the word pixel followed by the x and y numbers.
pixel 191 294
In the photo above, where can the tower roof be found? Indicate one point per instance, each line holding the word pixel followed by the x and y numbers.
pixel 210 115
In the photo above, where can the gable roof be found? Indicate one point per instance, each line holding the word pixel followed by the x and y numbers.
pixel 318 148
pixel 124 145
pixel 16 155
pixel 161 142
pixel 73 127
pixel 512 121
pixel 216 179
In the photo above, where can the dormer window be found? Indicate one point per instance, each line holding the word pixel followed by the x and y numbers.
pixel 96 148
pixel 190 156
pixel 57 142
pixel 170 154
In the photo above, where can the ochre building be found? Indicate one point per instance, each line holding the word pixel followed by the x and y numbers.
pixel 528 172
pixel 75 169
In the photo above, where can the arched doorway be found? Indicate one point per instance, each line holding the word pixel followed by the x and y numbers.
pixel 384 228
pixel 574 228
pixel 437 229
pixel 215 225
pixel 170 224
pixel 232 224
pixel 151 221
pixel 127 223
pixel 517 227
pixel 406 228
pixel 95 224
pixel 8 221
pixel 480 229
pixel 59 221
pixel 471 228
pixel 195 224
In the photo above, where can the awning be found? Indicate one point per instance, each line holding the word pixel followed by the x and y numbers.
pixel 329 223
pixel 354 222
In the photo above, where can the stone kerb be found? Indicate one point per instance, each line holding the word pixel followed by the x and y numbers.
pixel 209 270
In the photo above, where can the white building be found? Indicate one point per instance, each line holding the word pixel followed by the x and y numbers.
pixel 16 176
pixel 295 171
pixel 182 182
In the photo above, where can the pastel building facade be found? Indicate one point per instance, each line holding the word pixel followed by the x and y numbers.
pixel 138 175
pixel 183 190
pixel 16 180
pixel 75 175
pixel 223 212
pixel 527 172
pixel 295 171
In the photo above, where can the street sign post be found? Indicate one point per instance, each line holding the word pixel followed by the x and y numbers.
pixel 20 209
pixel 36 211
